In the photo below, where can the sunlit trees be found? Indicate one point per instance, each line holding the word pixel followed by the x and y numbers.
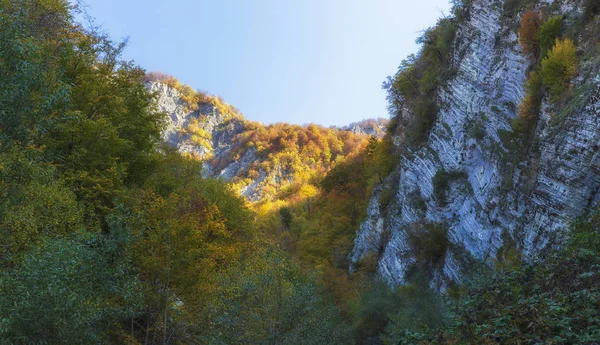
pixel 193 98
pixel 301 153
pixel 188 229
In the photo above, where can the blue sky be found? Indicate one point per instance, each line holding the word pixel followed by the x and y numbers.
pixel 303 61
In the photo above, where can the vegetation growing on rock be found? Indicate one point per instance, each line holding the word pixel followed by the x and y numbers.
pixel 109 236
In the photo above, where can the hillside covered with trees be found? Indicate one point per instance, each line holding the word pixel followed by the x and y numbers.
pixel 129 217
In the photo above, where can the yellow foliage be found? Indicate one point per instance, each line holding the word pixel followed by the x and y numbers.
pixel 307 191
pixel 559 67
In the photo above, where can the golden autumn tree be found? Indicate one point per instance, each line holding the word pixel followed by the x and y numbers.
pixel 559 67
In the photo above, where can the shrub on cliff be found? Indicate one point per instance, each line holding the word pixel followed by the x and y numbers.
pixel 528 32
pixel 419 78
pixel 441 182
pixel 559 67
pixel 430 243
pixel 530 107
pixel 549 32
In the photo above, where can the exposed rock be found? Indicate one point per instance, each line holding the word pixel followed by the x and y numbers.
pixel 213 137
pixel 533 202
pixel 372 127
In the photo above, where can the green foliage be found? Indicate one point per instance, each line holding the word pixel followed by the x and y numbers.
pixel 78 135
pixel 266 300
pixel 66 94
pixel 109 238
pixel 286 217
pixel 477 130
pixel 31 88
pixel 34 204
pixel 551 301
pixel 419 308
pixel 324 223
pixel 418 80
pixel 186 235
pixel 386 314
pixel 559 67
pixel 430 243
pixel 461 8
pixel 529 108
pixel 386 197
pixel 376 305
pixel 441 182
pixel 549 32
pixel 69 290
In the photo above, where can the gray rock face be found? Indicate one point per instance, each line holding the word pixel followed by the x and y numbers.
pixel 372 127
pixel 532 202
pixel 211 136
pixel 221 131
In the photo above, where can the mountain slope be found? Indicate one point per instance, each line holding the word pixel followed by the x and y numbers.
pixel 259 160
pixel 474 177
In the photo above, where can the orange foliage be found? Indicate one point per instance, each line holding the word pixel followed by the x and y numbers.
pixel 527 109
pixel 302 151
pixel 528 32
pixel 530 106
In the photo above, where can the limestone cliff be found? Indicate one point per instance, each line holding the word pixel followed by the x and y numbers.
pixel 490 198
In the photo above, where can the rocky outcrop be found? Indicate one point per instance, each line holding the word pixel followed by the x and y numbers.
pixel 487 196
pixel 372 127
pixel 225 143
pixel 220 129
pixel 221 132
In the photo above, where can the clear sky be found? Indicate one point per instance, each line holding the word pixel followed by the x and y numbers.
pixel 302 61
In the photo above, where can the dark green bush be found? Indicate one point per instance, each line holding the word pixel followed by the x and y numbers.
pixel 478 130
pixel 404 308
pixel 286 217
pixel 419 78
pixel 549 32
pixel 385 198
pixel 529 109
pixel 441 182
pixel 591 8
pixel 429 242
